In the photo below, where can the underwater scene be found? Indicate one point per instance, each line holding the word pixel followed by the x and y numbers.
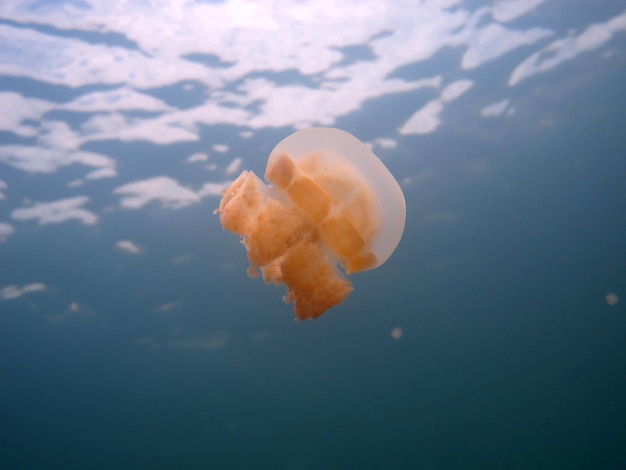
pixel 318 234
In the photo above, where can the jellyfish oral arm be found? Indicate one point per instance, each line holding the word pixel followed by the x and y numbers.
pixel 284 245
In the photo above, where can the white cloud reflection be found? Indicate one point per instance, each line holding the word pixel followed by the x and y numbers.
pixel 508 10
pixel 6 230
pixel 427 119
pixel 384 143
pixel 48 160
pixel 455 90
pixel 565 49
pixel 220 148
pixel 197 157
pixel 121 99
pixel 17 108
pixel 162 130
pixel 168 43
pixel 234 166
pixel 72 62
pixel 121 68
pixel 495 109
pixel 162 188
pixel 213 189
pixel 493 41
pixel 128 246
pixel 14 291
pixel 57 211
pixel 166 190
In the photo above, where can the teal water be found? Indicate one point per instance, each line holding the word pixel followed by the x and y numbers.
pixel 511 353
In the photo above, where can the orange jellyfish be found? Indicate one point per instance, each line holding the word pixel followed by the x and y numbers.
pixel 331 203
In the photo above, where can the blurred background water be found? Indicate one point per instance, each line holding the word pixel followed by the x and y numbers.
pixel 130 335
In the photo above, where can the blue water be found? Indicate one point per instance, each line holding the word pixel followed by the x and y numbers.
pixel 508 286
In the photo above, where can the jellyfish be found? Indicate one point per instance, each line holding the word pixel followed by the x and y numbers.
pixel 331 209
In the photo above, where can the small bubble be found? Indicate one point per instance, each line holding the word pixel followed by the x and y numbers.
pixel 611 298
pixel 397 333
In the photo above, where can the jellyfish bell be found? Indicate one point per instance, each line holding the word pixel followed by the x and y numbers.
pixel 331 203
pixel 354 183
